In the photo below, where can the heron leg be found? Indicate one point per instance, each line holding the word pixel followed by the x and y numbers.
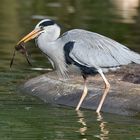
pixel 83 94
pixel 107 87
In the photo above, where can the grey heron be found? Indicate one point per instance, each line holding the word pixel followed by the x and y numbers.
pixel 88 52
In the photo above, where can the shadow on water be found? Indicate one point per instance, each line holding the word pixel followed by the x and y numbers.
pixel 26 117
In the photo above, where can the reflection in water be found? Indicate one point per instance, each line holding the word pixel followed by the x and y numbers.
pixel 127 9
pixel 82 130
pixel 103 130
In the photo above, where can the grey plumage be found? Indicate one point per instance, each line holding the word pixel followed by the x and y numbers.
pixel 95 50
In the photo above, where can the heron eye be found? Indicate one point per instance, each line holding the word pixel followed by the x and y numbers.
pixel 41 27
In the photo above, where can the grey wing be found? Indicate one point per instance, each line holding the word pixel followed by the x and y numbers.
pixel 94 50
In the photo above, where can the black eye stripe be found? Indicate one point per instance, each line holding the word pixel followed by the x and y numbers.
pixel 47 23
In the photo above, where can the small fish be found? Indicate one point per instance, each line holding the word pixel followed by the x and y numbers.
pixel 20 48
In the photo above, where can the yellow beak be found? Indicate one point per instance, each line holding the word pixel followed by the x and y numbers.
pixel 30 36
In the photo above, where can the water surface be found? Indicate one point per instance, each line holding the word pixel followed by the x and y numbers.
pixel 26 117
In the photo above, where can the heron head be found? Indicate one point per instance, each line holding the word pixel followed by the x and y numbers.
pixel 46 26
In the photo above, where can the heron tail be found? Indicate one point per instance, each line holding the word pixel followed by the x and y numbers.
pixel 134 57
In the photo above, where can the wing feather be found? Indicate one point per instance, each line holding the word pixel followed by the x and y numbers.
pixel 95 50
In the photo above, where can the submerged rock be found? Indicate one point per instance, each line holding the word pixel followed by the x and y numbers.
pixel 123 98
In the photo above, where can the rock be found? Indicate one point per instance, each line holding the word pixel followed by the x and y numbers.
pixel 131 73
pixel 133 78
pixel 123 98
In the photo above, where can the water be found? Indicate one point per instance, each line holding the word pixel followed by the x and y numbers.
pixel 26 117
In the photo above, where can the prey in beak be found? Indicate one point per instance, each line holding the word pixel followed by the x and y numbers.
pixel 20 46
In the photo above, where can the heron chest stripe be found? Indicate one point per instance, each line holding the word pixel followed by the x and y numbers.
pixel 84 70
pixel 67 49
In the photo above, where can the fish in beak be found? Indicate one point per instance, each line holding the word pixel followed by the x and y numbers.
pixel 20 46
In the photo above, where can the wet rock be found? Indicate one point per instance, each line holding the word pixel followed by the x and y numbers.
pixel 123 98
pixel 130 73
pixel 133 78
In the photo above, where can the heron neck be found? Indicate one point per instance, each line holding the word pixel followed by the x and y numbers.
pixel 46 42
pixel 54 50
pixel 47 38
